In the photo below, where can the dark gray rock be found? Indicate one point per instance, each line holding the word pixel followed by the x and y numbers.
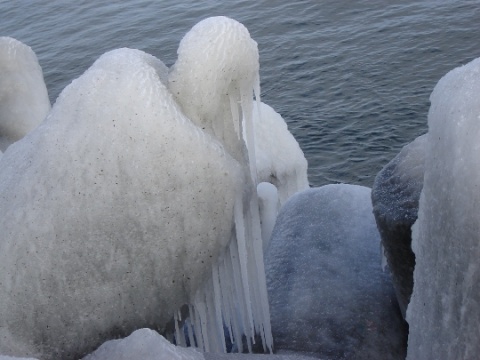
pixel 395 196
pixel 327 291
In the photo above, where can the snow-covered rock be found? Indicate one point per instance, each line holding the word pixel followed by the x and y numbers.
pixel 327 291
pixel 444 311
pixel 395 196
pixel 24 101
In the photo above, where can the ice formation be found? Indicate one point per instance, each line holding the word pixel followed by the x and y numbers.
pixel 444 311
pixel 279 159
pixel 328 294
pixel 395 196
pixel 24 99
pixel 146 344
pixel 133 202
pixel 143 344
pixel 269 205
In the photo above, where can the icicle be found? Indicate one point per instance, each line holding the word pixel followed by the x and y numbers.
pixel 218 304
pixel 179 334
pixel 268 208
pixel 243 257
pixel 201 324
pixel 189 324
pixel 236 295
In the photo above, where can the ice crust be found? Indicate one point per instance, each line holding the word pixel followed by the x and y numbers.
pixel 108 243
pixel 328 294
pixel 444 312
pixel 24 101
pixel 146 344
pixel 143 344
pixel 395 196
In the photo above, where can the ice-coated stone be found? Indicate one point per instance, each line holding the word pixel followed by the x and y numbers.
pixel 113 211
pixel 395 196
pixel 24 101
pixel 328 294
pixel 143 344
pixel 279 159
pixel 146 344
pixel 444 311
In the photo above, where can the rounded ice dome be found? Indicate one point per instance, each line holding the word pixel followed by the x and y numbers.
pixel 24 101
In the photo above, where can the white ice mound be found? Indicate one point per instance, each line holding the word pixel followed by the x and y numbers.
pixel 119 208
pixel 24 99
pixel 444 312
pixel 327 291
pixel 214 77
pixel 143 344
pixel 146 344
pixel 113 212
pixel 279 159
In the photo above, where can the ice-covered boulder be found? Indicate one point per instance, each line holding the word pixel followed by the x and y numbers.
pixel 395 196
pixel 24 101
pixel 327 291
pixel 444 311
pixel 107 242
pixel 119 208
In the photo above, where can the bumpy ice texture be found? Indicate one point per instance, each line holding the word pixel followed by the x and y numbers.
pixel 328 294
pixel 110 194
pixel 395 196
pixel 127 207
pixel 24 99
pixel 444 312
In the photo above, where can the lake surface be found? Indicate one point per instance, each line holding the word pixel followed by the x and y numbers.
pixel 351 78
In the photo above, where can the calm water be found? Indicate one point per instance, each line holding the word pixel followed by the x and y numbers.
pixel 351 78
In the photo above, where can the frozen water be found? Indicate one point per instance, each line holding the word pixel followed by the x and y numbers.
pixel 216 92
pixel 146 344
pixel 268 205
pixel 395 196
pixel 279 159
pixel 444 312
pixel 107 244
pixel 328 294
pixel 24 99
pixel 130 209
pixel 143 344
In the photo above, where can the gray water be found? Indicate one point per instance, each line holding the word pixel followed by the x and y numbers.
pixel 351 78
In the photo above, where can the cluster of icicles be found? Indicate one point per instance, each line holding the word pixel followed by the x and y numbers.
pixel 233 303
